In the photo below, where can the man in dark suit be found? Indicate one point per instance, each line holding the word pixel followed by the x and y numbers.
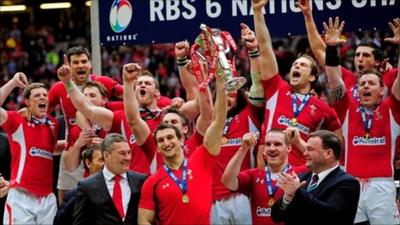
pixel 112 195
pixel 326 195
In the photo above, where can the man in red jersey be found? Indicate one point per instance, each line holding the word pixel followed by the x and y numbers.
pixel 79 61
pixel 32 141
pixel 260 184
pixel 180 192
pixel 367 55
pixel 143 132
pixel 290 104
pixel 371 128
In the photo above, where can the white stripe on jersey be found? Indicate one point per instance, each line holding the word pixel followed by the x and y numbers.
pixel 271 106
pixel 345 133
pixel 18 136
pixel 252 129
pixel 395 131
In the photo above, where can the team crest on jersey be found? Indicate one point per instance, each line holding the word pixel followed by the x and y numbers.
pixel 37 152
pixel 132 139
pixel 72 121
pixel 259 180
pixel 357 140
pixel 283 120
pixel 165 186
pixel 263 212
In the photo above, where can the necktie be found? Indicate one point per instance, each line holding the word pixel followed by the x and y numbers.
pixel 313 184
pixel 117 196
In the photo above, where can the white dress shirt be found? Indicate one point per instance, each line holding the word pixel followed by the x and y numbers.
pixel 125 189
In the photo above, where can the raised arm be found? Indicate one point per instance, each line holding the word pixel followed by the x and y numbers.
pixel 267 61
pixel 139 127
pixel 188 80
pixel 230 176
pixel 256 93
pixel 395 26
pixel 332 66
pixel 315 40
pixel 206 110
pixel 213 136
pixel 98 115
pixel 19 80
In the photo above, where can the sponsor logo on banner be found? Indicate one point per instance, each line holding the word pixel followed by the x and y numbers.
pixel 120 15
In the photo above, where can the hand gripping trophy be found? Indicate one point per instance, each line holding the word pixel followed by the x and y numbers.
pixel 212 46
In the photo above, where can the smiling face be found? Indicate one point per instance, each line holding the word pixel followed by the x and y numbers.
pixel 168 143
pixel 119 159
pixel 37 102
pixel 80 67
pixel 300 77
pixel 276 149
pixel 146 90
pixel 315 155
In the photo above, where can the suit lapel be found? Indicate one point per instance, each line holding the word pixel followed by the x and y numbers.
pixel 103 191
pixel 328 181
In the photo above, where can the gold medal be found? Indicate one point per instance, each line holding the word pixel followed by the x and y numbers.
pixel 185 198
pixel 293 122
pixel 224 140
pixel 366 135
pixel 271 202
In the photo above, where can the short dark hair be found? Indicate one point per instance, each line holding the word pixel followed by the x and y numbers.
pixel 109 140
pixel 87 154
pixel 372 71
pixel 77 50
pixel 98 85
pixel 28 89
pixel 149 74
pixel 184 119
pixel 329 140
pixel 164 126
pixel 376 52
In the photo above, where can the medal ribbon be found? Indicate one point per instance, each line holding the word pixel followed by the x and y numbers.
pixel 271 189
pixel 297 110
pixel 182 184
pixel 366 118
pixel 227 124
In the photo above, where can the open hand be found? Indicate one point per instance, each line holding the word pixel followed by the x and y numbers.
pixel 333 31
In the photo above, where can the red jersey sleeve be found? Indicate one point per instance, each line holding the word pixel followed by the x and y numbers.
pixel 245 178
pixel 116 124
pixel 54 95
pixel 113 87
pixel 349 78
pixel 331 121
pixel 149 147
pixel 147 194
pixel 270 86
pixel 14 119
pixel 163 102
pixel 389 77
pixel 342 105
pixel 207 160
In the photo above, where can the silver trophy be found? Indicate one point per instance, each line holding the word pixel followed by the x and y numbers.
pixel 213 46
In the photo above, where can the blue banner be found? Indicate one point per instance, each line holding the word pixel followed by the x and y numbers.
pixel 130 22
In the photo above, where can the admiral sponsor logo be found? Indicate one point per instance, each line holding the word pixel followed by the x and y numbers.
pixel 37 152
pixel 233 142
pixel 357 140
pixel 262 212
pixel 282 120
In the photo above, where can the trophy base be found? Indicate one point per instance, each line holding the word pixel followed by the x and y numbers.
pixel 234 84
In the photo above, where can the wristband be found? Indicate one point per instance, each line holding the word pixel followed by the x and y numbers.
pixel 70 86
pixel 332 56
pixel 254 53
pixel 182 62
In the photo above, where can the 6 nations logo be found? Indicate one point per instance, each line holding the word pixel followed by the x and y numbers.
pixel 120 15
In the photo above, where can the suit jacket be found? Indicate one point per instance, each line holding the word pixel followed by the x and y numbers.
pixel 65 212
pixel 94 205
pixel 334 201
